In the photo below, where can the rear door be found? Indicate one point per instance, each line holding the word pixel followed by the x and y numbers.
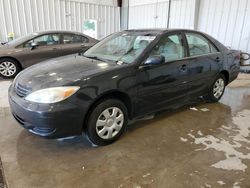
pixel 205 61
pixel 73 43
pixel 164 85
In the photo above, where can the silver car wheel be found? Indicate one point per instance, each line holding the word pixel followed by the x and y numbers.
pixel 218 88
pixel 7 68
pixel 109 123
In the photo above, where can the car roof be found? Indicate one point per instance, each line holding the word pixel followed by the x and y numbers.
pixel 57 31
pixel 160 30
pixel 38 33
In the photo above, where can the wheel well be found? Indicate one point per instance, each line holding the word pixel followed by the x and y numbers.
pixel 7 57
pixel 226 74
pixel 111 95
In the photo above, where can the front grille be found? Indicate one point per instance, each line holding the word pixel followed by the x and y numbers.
pixel 21 90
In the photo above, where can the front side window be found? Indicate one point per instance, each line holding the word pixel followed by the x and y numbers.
pixel 73 39
pixel 44 40
pixel 121 47
pixel 171 47
pixel 199 45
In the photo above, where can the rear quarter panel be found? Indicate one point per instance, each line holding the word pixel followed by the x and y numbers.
pixel 233 64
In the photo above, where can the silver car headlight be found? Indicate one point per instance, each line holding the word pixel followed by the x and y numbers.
pixel 52 95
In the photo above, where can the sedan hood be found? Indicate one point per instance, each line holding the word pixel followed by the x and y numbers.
pixel 67 70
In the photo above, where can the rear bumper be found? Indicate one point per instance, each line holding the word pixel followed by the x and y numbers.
pixel 47 120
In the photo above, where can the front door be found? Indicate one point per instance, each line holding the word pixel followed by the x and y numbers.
pixel 161 86
pixel 48 47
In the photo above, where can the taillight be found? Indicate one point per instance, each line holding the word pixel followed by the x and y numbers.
pixel 237 56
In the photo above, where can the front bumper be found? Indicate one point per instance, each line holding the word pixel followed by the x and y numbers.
pixel 48 120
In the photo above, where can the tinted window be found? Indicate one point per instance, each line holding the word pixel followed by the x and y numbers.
pixel 72 39
pixel 171 47
pixel 44 40
pixel 199 45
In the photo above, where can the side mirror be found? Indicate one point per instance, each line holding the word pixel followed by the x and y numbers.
pixel 155 60
pixel 33 45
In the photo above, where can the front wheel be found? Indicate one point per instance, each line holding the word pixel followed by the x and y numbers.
pixel 9 68
pixel 107 122
pixel 217 89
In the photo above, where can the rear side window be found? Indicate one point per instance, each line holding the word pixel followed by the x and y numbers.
pixel 73 39
pixel 199 45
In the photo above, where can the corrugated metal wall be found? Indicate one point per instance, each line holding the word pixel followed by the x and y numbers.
pixel 142 16
pixel 154 13
pixel 228 21
pixel 182 14
pixel 26 16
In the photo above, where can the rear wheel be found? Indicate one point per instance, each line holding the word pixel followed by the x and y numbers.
pixel 217 89
pixel 107 122
pixel 9 68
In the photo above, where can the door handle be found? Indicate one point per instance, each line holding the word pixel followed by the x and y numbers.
pixel 217 59
pixel 83 45
pixel 183 68
pixel 54 48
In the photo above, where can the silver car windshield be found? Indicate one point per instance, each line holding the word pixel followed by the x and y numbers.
pixel 120 47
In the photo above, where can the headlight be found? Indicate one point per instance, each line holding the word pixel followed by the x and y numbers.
pixel 52 95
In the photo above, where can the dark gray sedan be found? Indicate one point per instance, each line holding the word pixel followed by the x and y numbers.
pixel 36 47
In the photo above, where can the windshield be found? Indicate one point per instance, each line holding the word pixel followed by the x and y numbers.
pixel 22 39
pixel 120 47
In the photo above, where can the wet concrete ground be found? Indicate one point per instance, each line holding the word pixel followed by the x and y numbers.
pixel 206 146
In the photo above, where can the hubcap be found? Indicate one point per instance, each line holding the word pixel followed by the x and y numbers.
pixel 218 88
pixel 109 123
pixel 7 68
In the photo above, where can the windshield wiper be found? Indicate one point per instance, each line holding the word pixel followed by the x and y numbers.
pixel 100 59
pixel 96 58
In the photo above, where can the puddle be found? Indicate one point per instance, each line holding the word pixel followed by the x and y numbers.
pixel 236 98
pixel 234 146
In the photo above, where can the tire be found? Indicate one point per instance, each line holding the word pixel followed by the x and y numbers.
pixel 9 68
pixel 107 122
pixel 214 94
